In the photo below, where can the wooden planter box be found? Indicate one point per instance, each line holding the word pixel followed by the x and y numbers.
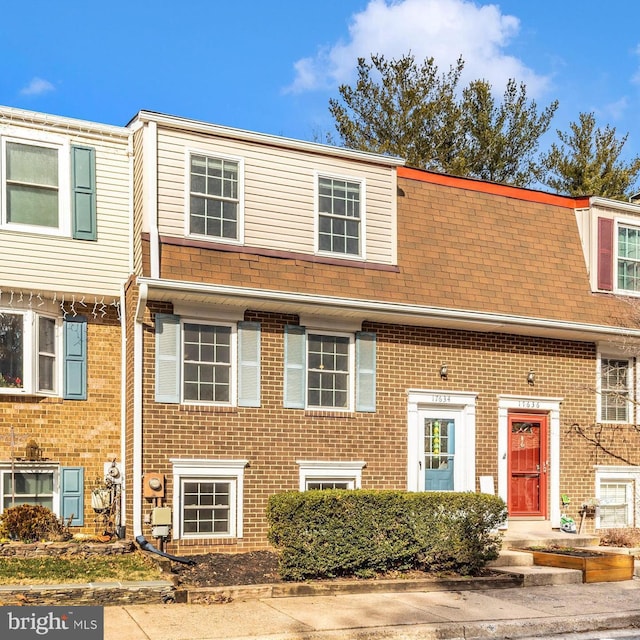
pixel 595 566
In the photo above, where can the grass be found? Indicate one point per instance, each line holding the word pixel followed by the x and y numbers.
pixel 56 569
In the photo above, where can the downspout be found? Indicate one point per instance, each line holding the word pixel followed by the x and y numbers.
pixel 124 340
pixel 143 294
pixel 123 405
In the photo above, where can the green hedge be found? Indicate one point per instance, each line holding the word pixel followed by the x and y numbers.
pixel 327 534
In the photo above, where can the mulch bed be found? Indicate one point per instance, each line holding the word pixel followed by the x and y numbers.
pixel 257 567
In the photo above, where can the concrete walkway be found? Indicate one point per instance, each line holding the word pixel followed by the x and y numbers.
pixel 494 613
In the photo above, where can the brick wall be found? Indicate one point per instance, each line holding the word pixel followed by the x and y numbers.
pixel 83 433
pixel 273 438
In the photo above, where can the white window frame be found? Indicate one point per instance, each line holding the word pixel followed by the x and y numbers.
pixel 32 467
pixel 631 385
pixel 629 476
pixel 64 182
pixel 362 254
pixel 233 368
pixel 351 374
pixel 209 471
pixel 624 222
pixel 332 470
pixel 30 356
pixel 187 196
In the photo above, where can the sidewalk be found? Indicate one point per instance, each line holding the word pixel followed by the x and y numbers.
pixel 494 613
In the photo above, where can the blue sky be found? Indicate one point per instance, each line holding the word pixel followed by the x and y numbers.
pixel 272 66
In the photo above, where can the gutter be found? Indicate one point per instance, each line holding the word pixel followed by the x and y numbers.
pixel 137 410
pixel 373 308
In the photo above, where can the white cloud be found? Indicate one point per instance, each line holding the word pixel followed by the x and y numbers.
pixel 442 29
pixel 37 87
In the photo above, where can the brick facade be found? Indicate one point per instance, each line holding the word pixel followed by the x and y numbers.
pixel 77 433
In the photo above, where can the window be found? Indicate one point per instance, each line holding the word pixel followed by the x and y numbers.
pixel 329 371
pixel 207 363
pixel 32 185
pixel 628 258
pixel 209 498
pixel 328 365
pixel 615 496
pixel 215 191
pixel 25 486
pixel 47 186
pixel 323 474
pixel 340 207
pixel 29 346
pixel 614 389
pixel 615 504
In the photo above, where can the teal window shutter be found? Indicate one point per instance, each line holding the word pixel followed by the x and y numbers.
pixel 83 193
pixel 249 364
pixel 365 371
pixel 167 358
pixel 75 358
pixel 72 495
pixel 295 372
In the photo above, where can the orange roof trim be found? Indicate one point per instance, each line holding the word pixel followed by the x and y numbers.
pixel 471 184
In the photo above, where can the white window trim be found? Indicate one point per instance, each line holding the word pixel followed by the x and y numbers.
pixel 351 391
pixel 233 355
pixel 621 475
pixel 30 355
pixel 310 470
pixel 64 183
pixel 187 196
pixel 32 467
pixel 202 469
pixel 361 180
pixel 632 386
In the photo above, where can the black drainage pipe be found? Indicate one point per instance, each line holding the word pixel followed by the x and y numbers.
pixel 147 546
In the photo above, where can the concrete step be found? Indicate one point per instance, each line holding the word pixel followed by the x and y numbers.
pixel 560 540
pixel 535 576
pixel 512 558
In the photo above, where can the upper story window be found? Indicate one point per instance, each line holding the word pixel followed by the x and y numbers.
pixel 329 371
pixel 32 185
pixel 340 216
pixel 42 355
pixel 615 385
pixel 47 186
pixel 215 197
pixel 28 353
pixel 329 365
pixel 628 258
pixel 207 362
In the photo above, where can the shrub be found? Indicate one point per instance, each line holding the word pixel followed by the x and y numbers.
pixel 326 534
pixel 30 523
pixel 629 537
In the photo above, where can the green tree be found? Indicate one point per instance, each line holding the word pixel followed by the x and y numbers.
pixel 502 139
pixel 401 107
pixel 587 162
pixel 409 111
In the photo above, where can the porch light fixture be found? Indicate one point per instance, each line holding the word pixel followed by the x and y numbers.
pixel 444 372
pixel 531 377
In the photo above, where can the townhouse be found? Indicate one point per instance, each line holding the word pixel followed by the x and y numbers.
pixel 307 317
pixel 205 316
pixel 64 257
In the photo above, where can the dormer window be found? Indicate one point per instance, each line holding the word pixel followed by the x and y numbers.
pixel 215 197
pixel 340 216
pixel 628 258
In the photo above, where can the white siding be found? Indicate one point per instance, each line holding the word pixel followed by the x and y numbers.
pixel 38 262
pixel 279 192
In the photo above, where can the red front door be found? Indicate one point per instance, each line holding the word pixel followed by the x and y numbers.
pixel 528 465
